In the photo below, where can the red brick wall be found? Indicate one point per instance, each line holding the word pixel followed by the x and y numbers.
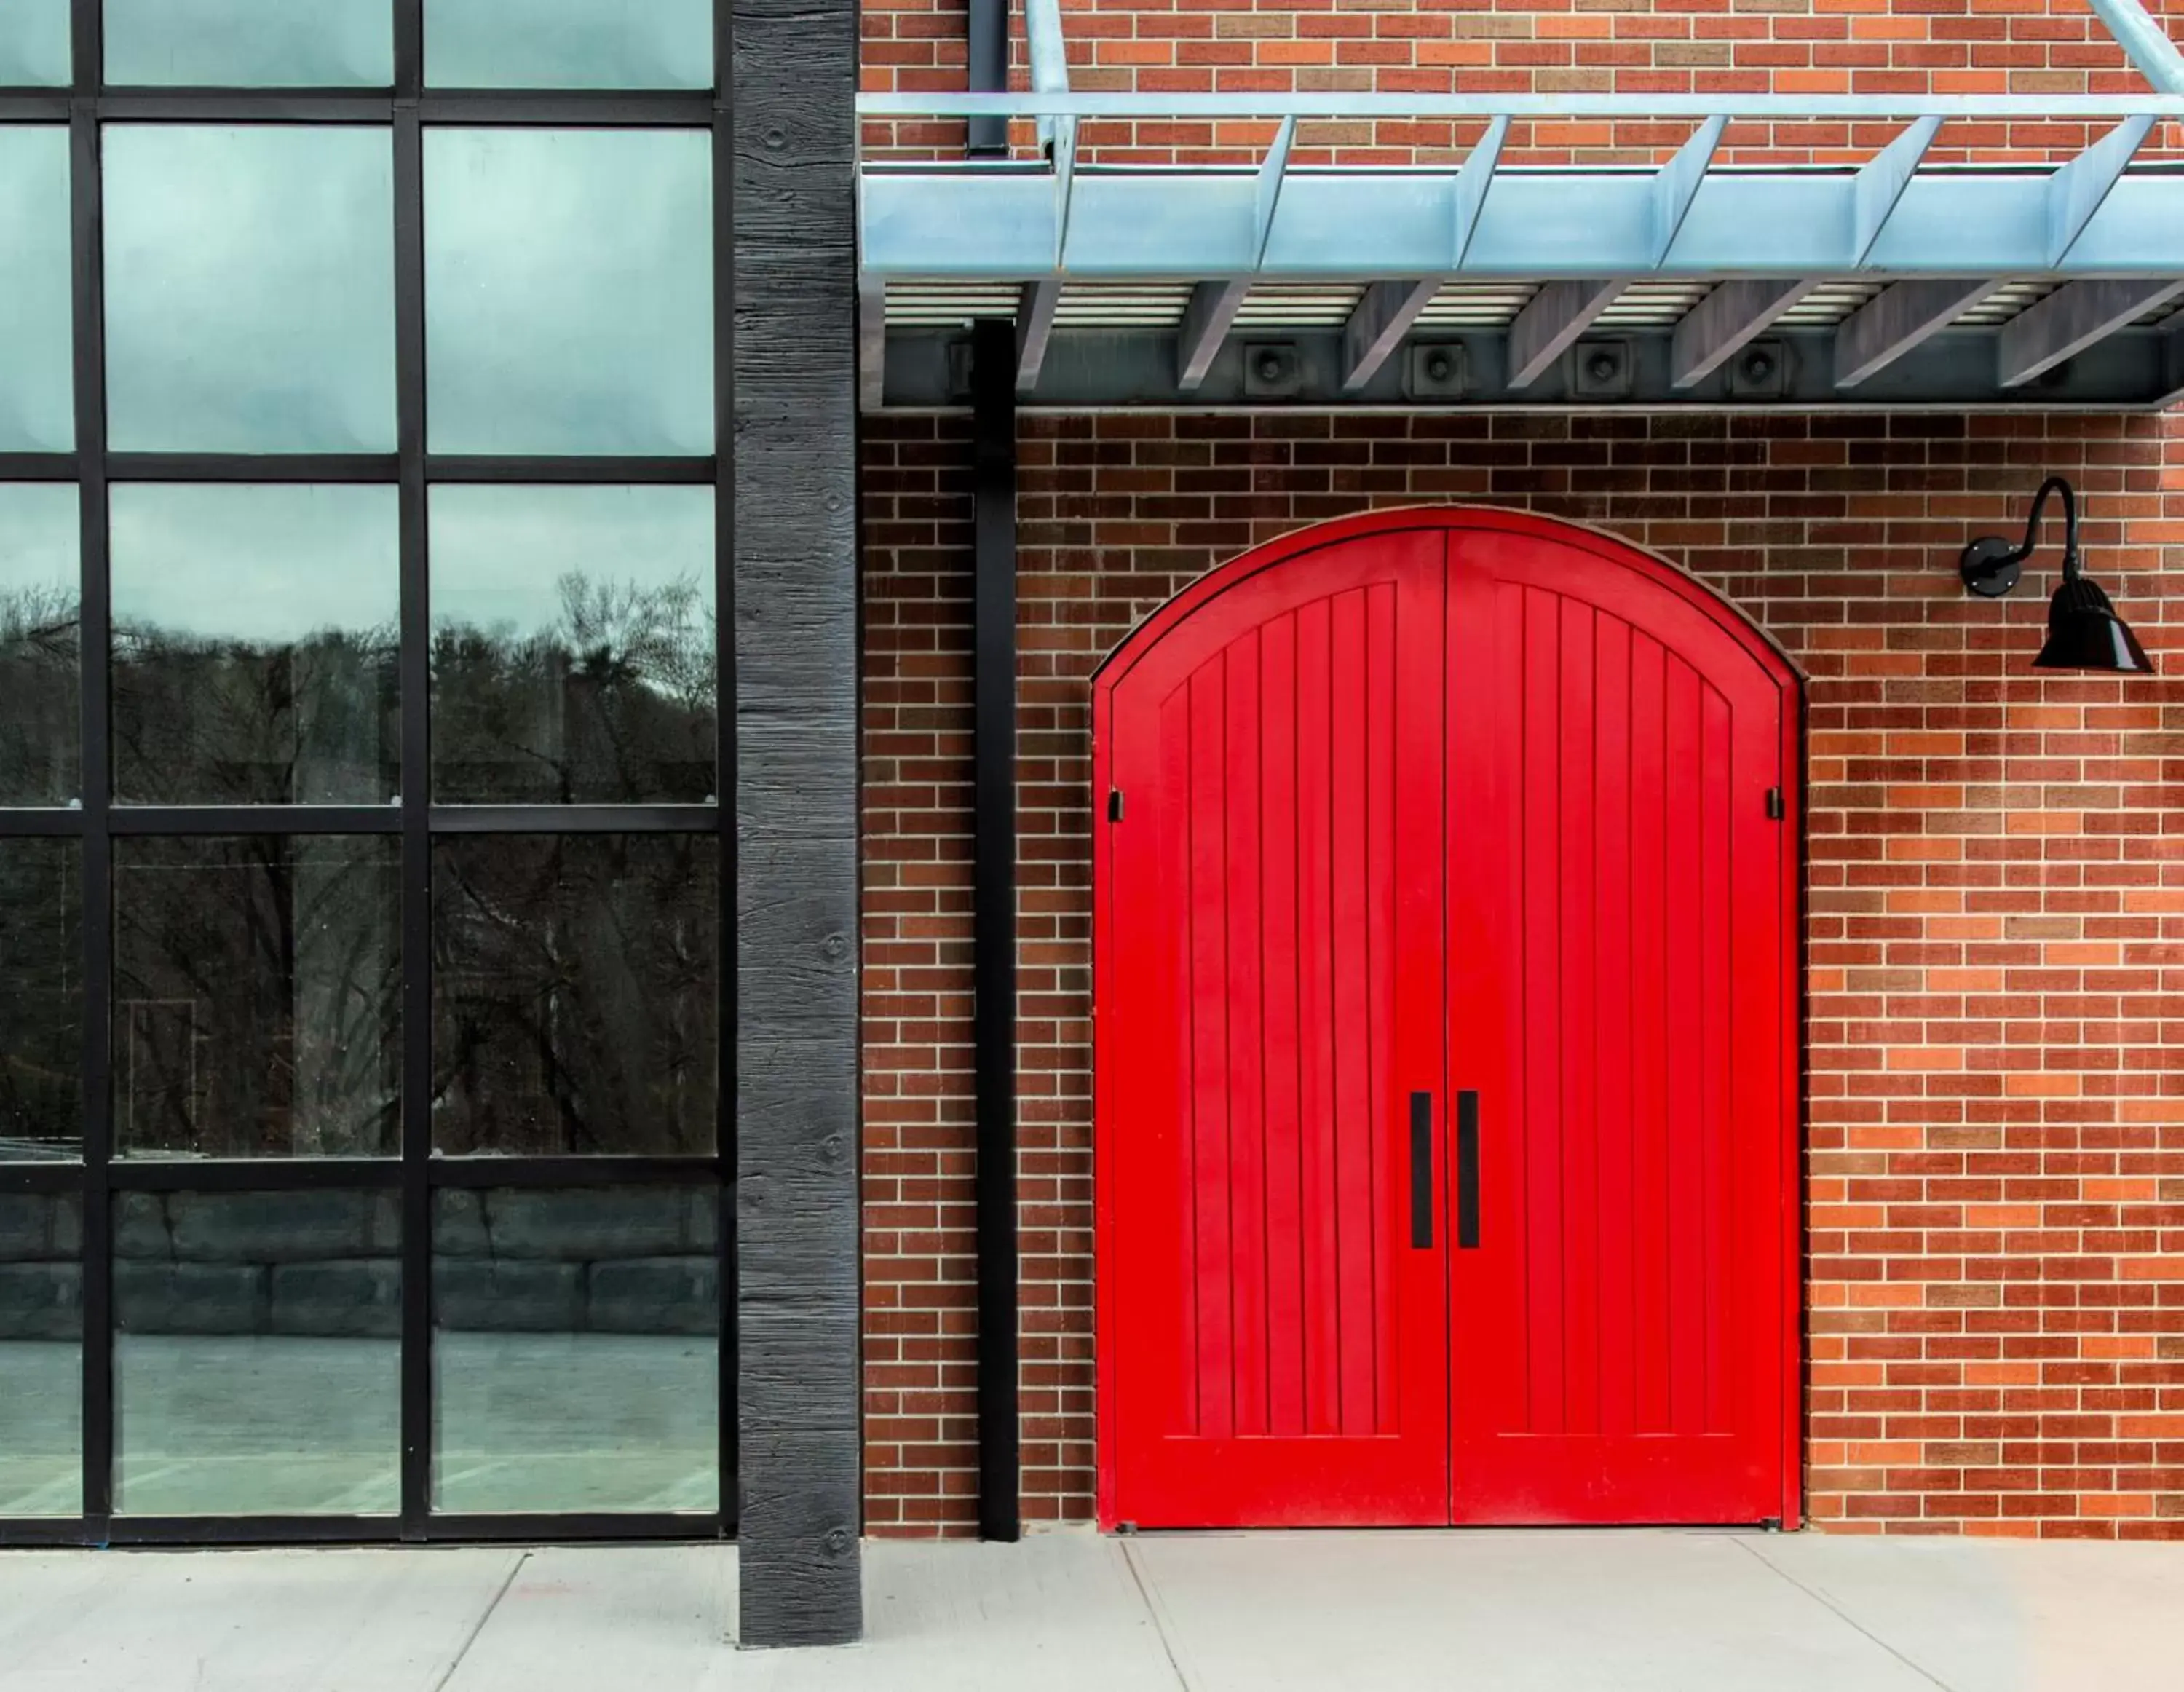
pixel 1996 974
pixel 1442 47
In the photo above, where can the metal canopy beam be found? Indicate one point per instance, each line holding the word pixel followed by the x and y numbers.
pixel 1898 318
pixel 1712 332
pixel 2069 320
pixel 1001 224
pixel 1757 106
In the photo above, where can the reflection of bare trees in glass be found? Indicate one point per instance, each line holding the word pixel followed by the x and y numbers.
pixel 613 702
pixel 208 720
pixel 576 993
pixel 40 998
pixel 39 642
pixel 256 997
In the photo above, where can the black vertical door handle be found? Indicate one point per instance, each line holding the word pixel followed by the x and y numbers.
pixel 1421 1171
pixel 1467 1171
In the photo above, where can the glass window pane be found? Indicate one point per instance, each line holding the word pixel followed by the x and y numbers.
pixel 256 635
pixel 250 288
pixel 576 1354
pixel 574 993
pixel 258 1353
pixel 41 1354
pixel 569 290
pixel 38 362
pixel 34 43
pixel 257 996
pixel 573 634
pixel 569 43
pixel 40 587
pixel 41 1000
pixel 250 43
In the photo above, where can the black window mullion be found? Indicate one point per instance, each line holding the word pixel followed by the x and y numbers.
pixel 416 776
pixel 94 627
pixel 37 466
pixel 252 467
pixel 171 820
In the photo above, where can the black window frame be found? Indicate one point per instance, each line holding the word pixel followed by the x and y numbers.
pixel 406 109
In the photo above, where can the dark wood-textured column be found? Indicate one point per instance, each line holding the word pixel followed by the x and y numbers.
pixel 795 468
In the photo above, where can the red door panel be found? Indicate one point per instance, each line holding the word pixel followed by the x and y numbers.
pixel 1277 1351
pixel 1473 807
pixel 1616 989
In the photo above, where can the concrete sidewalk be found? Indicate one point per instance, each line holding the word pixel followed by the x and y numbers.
pixel 1481 1612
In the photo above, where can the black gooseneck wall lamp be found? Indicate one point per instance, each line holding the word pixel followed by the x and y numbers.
pixel 2084 631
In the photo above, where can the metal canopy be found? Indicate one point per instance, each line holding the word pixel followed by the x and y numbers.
pixel 1896 284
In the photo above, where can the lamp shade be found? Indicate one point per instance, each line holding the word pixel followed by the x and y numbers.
pixel 2085 633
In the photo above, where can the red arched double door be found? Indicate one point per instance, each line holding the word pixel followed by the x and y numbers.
pixel 1446 1039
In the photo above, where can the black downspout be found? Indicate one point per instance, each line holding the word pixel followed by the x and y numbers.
pixel 988 137
pixel 994 901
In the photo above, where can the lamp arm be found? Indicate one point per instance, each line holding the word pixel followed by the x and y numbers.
pixel 2054 484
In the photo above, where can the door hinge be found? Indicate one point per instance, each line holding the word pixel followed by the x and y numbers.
pixel 1775 809
pixel 1114 805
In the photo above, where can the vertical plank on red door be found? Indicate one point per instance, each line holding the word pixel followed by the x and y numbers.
pixel 1383 1218
pixel 1649 1054
pixel 1714 1055
pixel 1612 1013
pixel 1686 898
pixel 1580 1183
pixel 1542 1128
pixel 1323 1370
pixel 1209 1027
pixel 1278 847
pixel 1247 1170
pixel 1504 1392
pixel 1352 1030
pixel 1762 1214
pixel 1175 1103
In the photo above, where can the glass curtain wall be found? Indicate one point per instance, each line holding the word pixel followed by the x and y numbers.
pixel 363 842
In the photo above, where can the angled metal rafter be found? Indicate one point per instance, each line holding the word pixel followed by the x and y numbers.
pixel 1899 319
pixel 1718 326
pixel 2071 319
pixel 1385 316
pixel 1205 324
pixel 1267 199
pixel 1214 305
pixel 871 342
pixel 1881 181
pixel 1553 319
pixel 2144 42
pixel 2081 188
pixel 1035 314
pixel 1678 185
pixel 1378 325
